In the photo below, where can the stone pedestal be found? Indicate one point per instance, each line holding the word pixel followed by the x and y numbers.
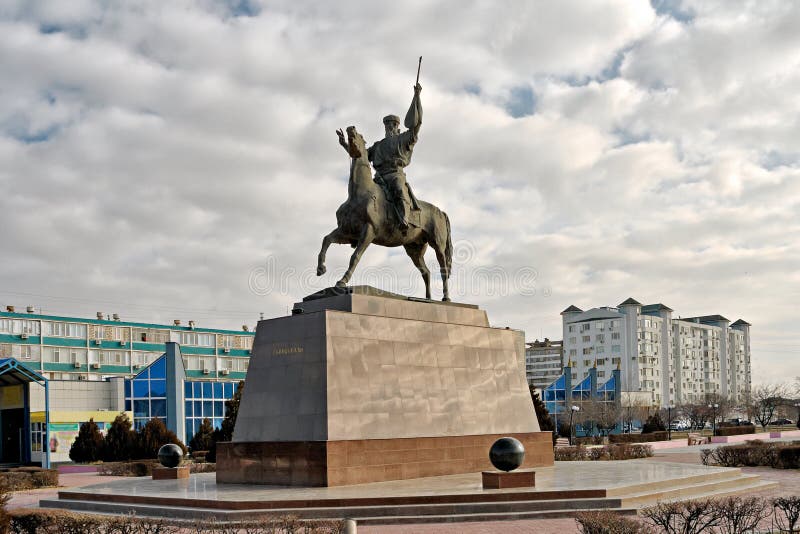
pixel 523 478
pixel 170 473
pixel 366 386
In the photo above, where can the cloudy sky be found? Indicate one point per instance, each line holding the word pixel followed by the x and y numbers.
pixel 178 159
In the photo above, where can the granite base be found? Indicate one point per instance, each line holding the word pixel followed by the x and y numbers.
pixel 346 462
pixel 170 473
pixel 524 478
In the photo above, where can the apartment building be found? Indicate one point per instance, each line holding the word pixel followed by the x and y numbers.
pixel 676 360
pixel 543 362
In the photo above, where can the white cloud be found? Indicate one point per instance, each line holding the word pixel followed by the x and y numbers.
pixel 153 154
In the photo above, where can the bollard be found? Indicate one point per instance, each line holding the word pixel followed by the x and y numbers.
pixel 349 526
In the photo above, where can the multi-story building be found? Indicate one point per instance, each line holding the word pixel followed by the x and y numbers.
pixel 675 360
pixel 97 368
pixel 543 362
pixel 71 348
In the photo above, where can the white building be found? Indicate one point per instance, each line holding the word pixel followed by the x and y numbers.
pixel 675 360
pixel 544 362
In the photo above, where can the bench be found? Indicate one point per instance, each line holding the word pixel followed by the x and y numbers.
pixel 562 442
pixel 697 439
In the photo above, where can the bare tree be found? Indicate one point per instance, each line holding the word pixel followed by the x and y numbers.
pixel 698 414
pixel 602 415
pixel 633 410
pixel 765 399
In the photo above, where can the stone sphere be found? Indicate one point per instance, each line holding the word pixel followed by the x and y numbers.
pixel 507 454
pixel 170 455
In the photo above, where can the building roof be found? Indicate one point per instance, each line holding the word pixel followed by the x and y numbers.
pixel 741 322
pixel 656 307
pixel 13 373
pixel 595 314
pixel 36 316
pixel 631 302
pixel 572 309
pixel 705 319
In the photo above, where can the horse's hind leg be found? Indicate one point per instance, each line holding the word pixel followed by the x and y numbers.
pixel 443 269
pixel 417 254
pixel 364 241
pixel 333 237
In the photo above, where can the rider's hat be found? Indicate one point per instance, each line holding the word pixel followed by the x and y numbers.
pixel 391 118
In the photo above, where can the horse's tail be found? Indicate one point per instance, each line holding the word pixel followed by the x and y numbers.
pixel 448 249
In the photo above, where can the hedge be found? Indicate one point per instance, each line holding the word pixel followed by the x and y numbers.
pixel 36 521
pixel 25 478
pixel 621 451
pixel 735 430
pixel 754 453
pixel 145 468
pixel 638 438
pixel 607 522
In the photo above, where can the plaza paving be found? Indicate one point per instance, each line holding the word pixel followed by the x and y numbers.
pixel 788 483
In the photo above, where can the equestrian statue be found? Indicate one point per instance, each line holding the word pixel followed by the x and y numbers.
pixel 384 210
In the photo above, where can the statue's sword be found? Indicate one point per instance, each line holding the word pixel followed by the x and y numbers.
pixel 419 66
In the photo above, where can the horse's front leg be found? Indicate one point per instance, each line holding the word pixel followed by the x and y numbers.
pixel 366 238
pixel 332 237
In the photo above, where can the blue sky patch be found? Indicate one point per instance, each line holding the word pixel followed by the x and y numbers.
pixel 672 8
pixel 521 102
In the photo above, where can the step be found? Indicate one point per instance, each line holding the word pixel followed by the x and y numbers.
pixel 456 518
pixel 355 512
pixel 760 486
pixel 713 488
pixel 649 487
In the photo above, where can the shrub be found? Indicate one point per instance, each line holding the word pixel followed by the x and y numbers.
pixel 787 513
pixel 654 423
pixel 128 469
pixel 25 478
pixel 625 451
pixel 204 467
pixel 605 522
pixel 153 436
pixel 754 453
pixel 610 452
pixel 735 430
pixel 225 431
pixel 203 439
pixel 739 514
pixel 5 520
pixel 687 517
pixel 88 444
pixel 120 441
pixel 37 521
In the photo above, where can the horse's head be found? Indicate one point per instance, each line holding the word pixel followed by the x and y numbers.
pixel 355 143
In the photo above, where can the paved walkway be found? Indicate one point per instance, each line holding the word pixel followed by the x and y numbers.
pixel 788 480
pixel 30 498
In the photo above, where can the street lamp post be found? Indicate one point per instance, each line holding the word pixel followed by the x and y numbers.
pixel 669 421
pixel 572 411
pixel 713 408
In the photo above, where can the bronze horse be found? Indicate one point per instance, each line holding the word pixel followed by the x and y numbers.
pixel 366 217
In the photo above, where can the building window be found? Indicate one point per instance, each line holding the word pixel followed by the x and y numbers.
pixel 146 394
pixel 205 400
pixel 587 339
